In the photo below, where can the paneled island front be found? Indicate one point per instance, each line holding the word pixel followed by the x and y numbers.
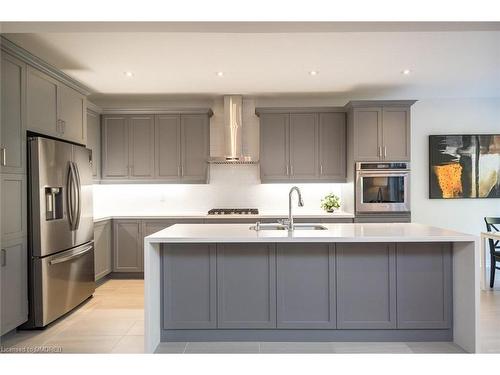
pixel 334 282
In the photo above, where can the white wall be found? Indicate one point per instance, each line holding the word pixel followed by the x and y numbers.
pixel 230 186
pixel 449 116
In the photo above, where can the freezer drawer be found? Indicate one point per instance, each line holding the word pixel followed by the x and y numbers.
pixel 62 281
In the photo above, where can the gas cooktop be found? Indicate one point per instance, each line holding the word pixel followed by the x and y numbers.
pixel 233 211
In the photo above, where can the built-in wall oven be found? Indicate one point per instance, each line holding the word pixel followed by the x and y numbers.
pixel 382 187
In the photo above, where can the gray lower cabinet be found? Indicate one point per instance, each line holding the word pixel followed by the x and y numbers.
pixel 127 246
pixel 305 289
pixel 424 299
pixel 14 284
pixel 115 147
pixel 103 251
pixel 13 132
pixel 14 217
pixel 141 147
pixel 246 285
pixel 94 142
pixel 366 286
pixel 189 286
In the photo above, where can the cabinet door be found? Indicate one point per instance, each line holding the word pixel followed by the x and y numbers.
pixel 396 133
pixel 14 293
pixel 274 147
pixel 14 217
pixel 305 288
pixel 102 249
pixel 41 103
pixel 72 109
pixel 168 147
pixel 424 285
pixel 141 147
pixel 115 147
pixel 13 133
pixel 332 150
pixel 194 148
pixel 94 142
pixel 367 134
pixel 366 286
pixel 304 146
pixel 189 286
pixel 246 285
pixel 128 249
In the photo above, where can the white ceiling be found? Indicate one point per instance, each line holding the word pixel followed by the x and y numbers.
pixel 443 63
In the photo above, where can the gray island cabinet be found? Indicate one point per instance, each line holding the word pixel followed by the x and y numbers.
pixel 350 282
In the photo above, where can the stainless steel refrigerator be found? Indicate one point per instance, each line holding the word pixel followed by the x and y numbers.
pixel 61 229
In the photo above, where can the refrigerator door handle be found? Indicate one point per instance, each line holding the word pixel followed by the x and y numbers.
pixel 72 256
pixel 69 195
pixel 78 196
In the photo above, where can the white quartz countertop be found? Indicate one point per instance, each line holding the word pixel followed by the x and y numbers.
pixel 386 232
pixel 204 215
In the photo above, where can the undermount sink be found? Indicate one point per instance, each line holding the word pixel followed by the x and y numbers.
pixel 278 226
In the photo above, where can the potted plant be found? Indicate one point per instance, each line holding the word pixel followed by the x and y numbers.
pixel 330 202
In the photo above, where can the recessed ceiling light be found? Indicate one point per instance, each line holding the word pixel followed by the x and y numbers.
pixel 406 72
pixel 313 73
pixel 129 74
pixel 220 74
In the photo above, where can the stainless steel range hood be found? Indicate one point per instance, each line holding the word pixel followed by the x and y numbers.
pixel 233 134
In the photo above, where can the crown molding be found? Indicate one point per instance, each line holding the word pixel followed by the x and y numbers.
pixel 262 110
pixel 156 111
pixel 379 103
pixel 42 65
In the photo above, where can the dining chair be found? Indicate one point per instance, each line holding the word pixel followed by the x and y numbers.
pixel 493 225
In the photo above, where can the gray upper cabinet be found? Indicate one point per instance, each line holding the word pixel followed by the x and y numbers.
pixel 94 142
pixel 156 148
pixel 189 286
pixel 141 146
pixel 274 161
pixel 332 146
pixel 13 133
pixel 72 111
pixel 42 103
pixel 305 286
pixel 381 130
pixel 115 144
pixel 366 286
pixel 302 144
pixel 14 283
pixel 55 109
pixel 103 250
pixel 127 246
pixel 167 147
pixel 424 285
pixel 194 148
pixel 246 285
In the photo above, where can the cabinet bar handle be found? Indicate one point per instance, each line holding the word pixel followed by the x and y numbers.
pixel 379 151
pixel 182 171
pixel 321 169
pixel 287 169
pixel 291 169
pixel 385 152
pixel 4 156
pixel 4 258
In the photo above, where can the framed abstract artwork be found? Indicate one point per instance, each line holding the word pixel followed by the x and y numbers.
pixel 464 166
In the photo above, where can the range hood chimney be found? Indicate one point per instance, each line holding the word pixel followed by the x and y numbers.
pixel 233 133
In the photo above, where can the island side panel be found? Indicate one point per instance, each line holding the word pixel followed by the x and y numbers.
pixel 466 295
pixel 152 296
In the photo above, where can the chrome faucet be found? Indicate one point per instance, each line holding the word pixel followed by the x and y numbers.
pixel 301 203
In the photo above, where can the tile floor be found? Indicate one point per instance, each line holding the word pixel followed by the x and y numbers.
pixel 112 322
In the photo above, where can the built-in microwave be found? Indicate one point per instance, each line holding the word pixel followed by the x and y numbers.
pixel 382 187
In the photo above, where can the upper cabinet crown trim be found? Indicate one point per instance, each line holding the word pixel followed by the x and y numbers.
pixel 156 111
pixel 263 110
pixel 43 66
pixel 91 107
pixel 379 103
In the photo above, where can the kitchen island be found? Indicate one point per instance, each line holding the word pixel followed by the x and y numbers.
pixel 341 282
